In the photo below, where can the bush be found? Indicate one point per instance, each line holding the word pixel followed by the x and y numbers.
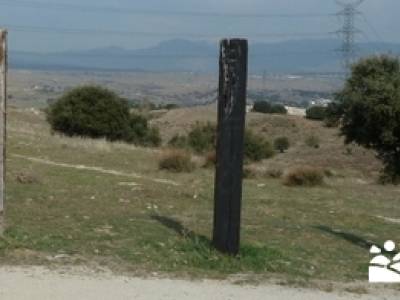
pixel 202 137
pixel 268 108
pixel 256 148
pixel 95 112
pixel 304 176
pixel 250 172
pixel 274 173
pixel 178 141
pixel 169 106
pixel 278 109
pixel 281 144
pixel 210 159
pixel 140 133
pixel 262 107
pixel 316 113
pixel 312 141
pixel 176 160
pixel 90 111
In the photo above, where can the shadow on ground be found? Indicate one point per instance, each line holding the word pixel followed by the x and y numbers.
pixel 350 237
pixel 179 228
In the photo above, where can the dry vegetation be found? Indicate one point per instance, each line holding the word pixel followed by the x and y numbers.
pixel 107 204
pixel 303 135
pixel 176 160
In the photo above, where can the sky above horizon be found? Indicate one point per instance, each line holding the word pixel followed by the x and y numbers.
pixel 59 25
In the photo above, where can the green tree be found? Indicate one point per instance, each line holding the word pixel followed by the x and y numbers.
pixel 262 107
pixel 278 109
pixel 90 111
pixel 281 144
pixel 268 108
pixel 316 113
pixel 370 110
pixel 96 112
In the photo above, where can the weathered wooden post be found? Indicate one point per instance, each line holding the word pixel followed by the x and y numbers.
pixel 230 140
pixel 3 114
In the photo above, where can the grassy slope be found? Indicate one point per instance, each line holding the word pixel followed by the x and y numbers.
pixel 316 233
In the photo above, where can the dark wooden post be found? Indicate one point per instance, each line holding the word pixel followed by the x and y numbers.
pixel 3 114
pixel 230 139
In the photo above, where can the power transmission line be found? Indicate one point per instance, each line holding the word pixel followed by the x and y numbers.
pixel 125 10
pixel 84 31
pixel 372 28
pixel 126 54
pixel 348 31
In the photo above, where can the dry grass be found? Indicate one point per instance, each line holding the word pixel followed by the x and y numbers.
pixel 176 160
pixel 331 152
pixel 273 173
pixel 26 178
pixel 293 232
pixel 304 176
pixel 210 159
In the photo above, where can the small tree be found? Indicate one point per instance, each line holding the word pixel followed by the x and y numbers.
pixel 281 144
pixel 262 107
pixel 96 112
pixel 278 109
pixel 370 110
pixel 318 113
pixel 268 108
pixel 90 111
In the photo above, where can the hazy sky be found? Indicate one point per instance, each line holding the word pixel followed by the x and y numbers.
pixel 45 17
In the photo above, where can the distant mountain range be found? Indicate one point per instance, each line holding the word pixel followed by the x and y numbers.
pixel 189 56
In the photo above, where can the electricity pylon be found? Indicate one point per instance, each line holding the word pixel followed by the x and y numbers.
pixel 348 32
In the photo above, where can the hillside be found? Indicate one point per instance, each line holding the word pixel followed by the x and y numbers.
pixel 331 154
pixel 97 204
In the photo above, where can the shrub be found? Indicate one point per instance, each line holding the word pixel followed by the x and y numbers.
pixel 96 112
pixel 202 137
pixel 170 106
pixel 256 148
pixel 176 160
pixel 26 178
pixel 274 173
pixel 304 176
pixel 278 109
pixel 152 138
pixel 262 107
pixel 210 159
pixel 316 113
pixel 140 133
pixel 312 141
pixel 281 144
pixel 268 108
pixel 90 111
pixel 178 141
pixel 250 172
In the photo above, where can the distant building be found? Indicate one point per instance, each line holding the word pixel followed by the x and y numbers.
pixel 321 102
pixel 249 108
pixel 295 111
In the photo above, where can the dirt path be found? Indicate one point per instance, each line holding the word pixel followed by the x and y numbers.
pixel 95 169
pixel 41 284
